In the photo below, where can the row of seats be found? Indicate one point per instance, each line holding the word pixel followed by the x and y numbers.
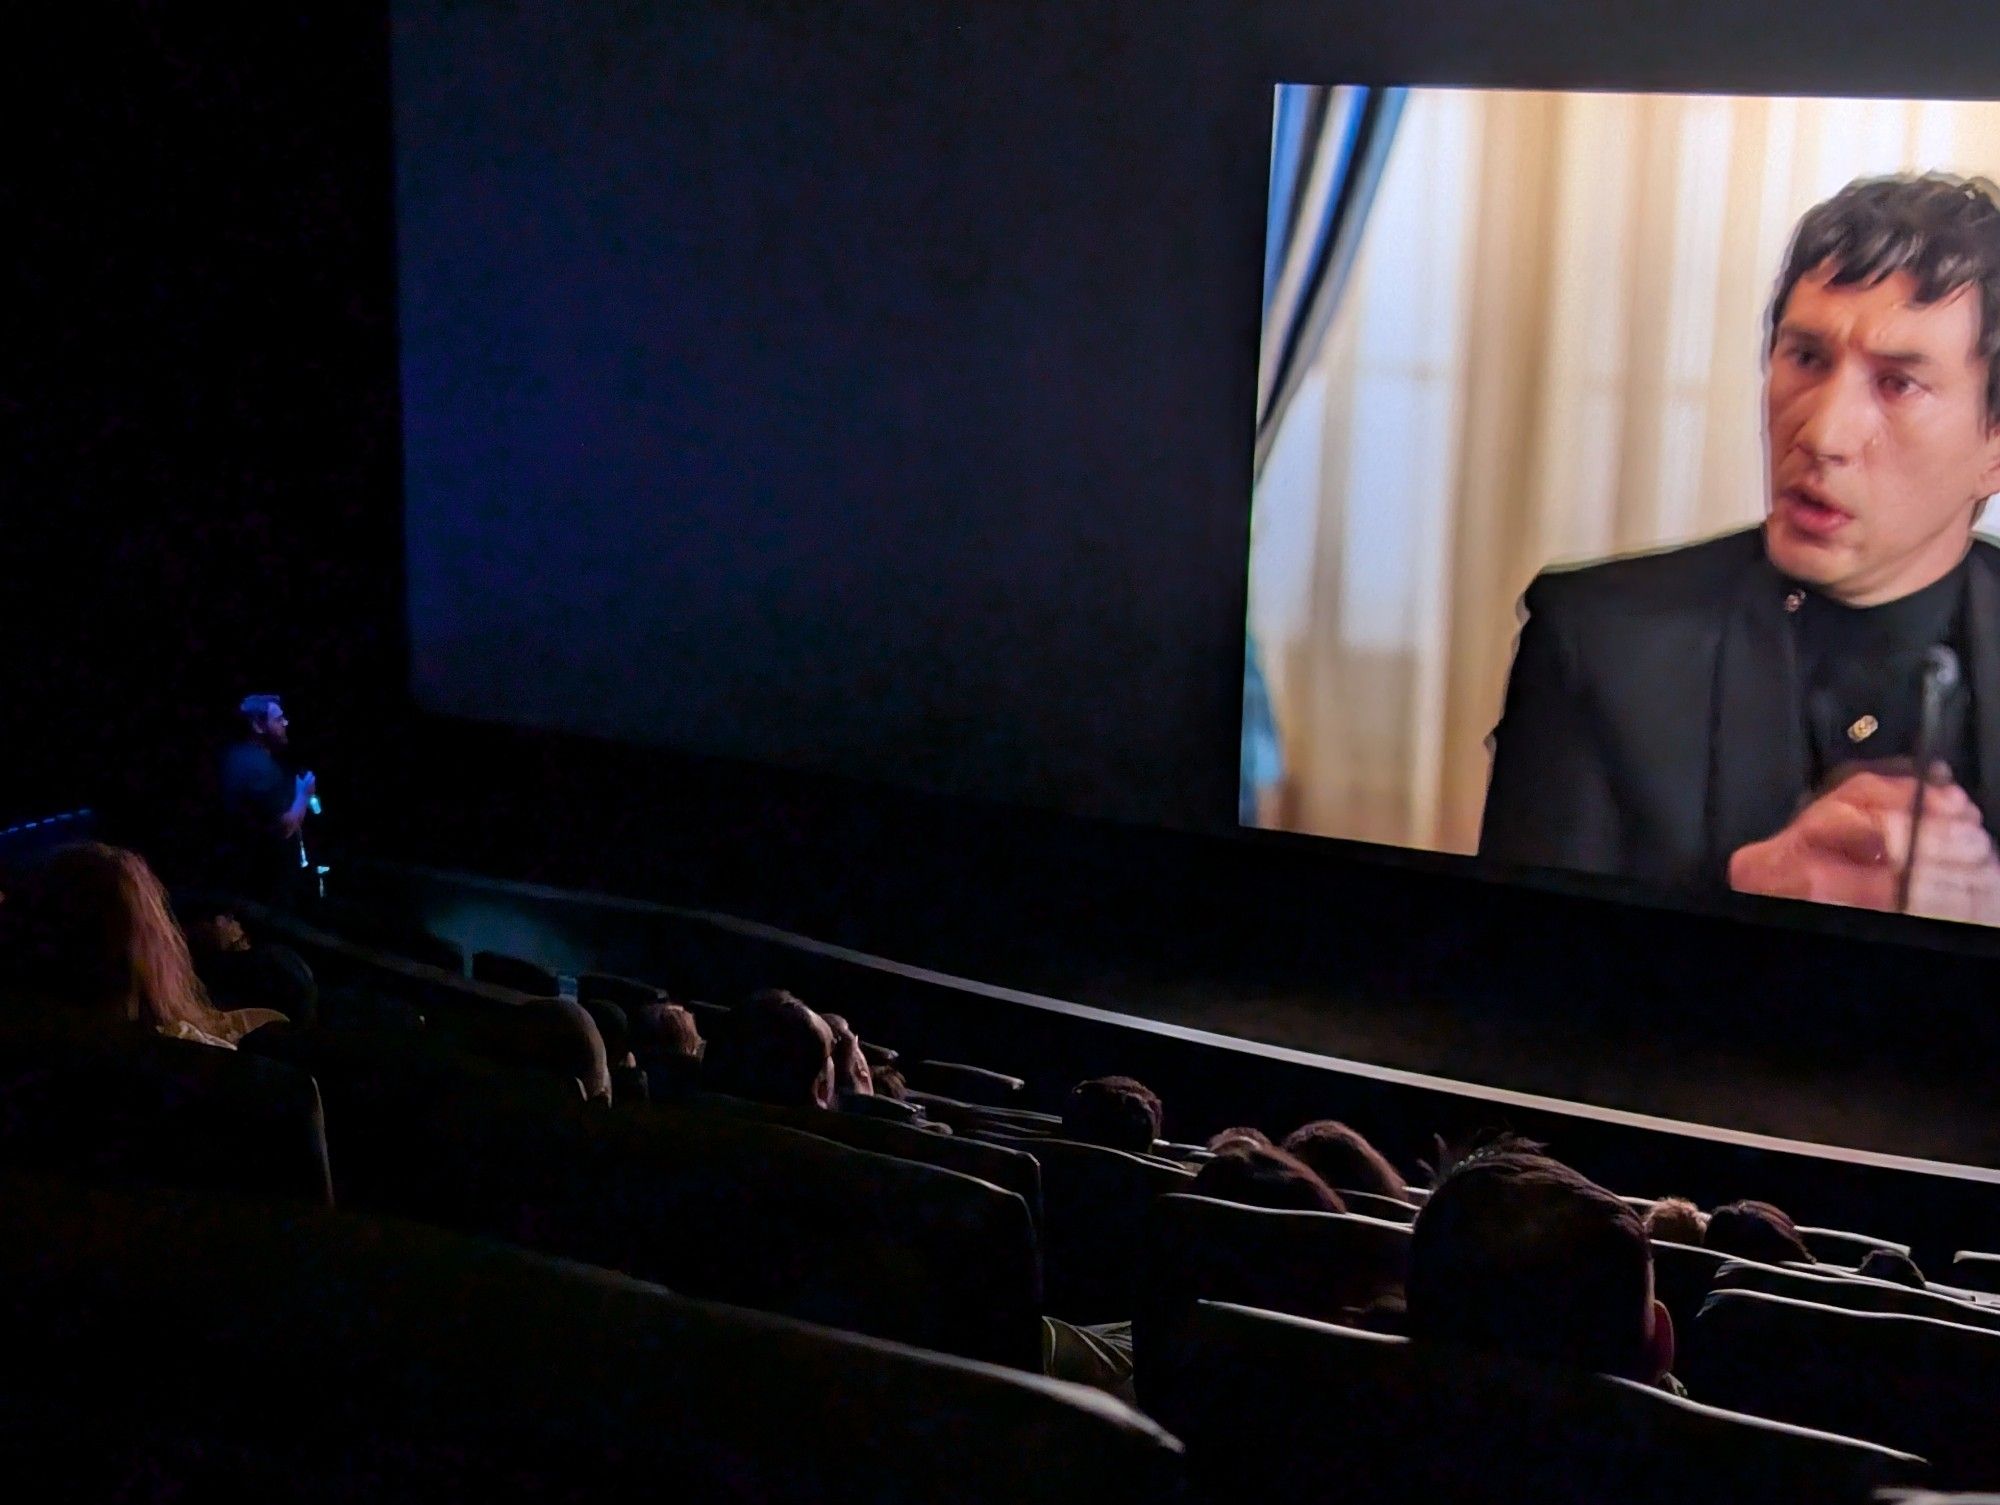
pixel 190 1346
pixel 478 1128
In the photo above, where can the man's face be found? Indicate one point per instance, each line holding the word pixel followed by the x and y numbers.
pixel 277 731
pixel 1875 407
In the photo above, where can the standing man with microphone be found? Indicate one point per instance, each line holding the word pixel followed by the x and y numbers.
pixel 264 809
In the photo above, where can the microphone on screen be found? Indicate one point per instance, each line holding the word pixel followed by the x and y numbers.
pixel 1939 679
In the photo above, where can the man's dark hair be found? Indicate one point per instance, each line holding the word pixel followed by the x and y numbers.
pixel 777 1050
pixel 1943 230
pixel 1118 1112
pixel 1345 1160
pixel 1260 1176
pixel 1759 1231
pixel 1516 1253
pixel 1892 1264
pixel 256 710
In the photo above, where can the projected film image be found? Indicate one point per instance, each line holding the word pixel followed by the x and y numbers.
pixel 1619 461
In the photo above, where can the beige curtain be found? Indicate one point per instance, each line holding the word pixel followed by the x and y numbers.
pixel 1551 351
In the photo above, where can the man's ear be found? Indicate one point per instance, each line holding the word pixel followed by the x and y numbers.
pixel 1660 1345
pixel 1989 472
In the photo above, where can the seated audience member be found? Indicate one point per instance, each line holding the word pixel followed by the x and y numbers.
pixel 1676 1220
pixel 1756 1230
pixel 1517 1254
pixel 238 974
pixel 780 1052
pixel 859 1086
pixel 1117 1112
pixel 668 1046
pixel 97 935
pixel 1260 1176
pixel 851 1076
pixel 1345 1160
pixel 1226 1136
pixel 554 1034
pixel 1892 1264
pixel 889 1083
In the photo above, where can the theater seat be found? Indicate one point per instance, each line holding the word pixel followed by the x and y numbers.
pixel 1910 1382
pixel 518 973
pixel 1835 1247
pixel 1683 1274
pixel 381 1085
pixel 1976 1271
pixel 753 1213
pixel 349 1360
pixel 141 1108
pixel 1283 1409
pixel 1095 1204
pixel 1330 1266
pixel 626 992
pixel 1374 1205
pixel 1010 1169
pixel 971 1118
pixel 1856 1292
pixel 973 1084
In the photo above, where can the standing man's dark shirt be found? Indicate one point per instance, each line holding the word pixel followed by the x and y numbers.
pixel 262 855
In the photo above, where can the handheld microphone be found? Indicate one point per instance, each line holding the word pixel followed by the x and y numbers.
pixel 1940 678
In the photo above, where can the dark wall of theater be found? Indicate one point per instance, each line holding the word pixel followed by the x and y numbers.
pixel 200 466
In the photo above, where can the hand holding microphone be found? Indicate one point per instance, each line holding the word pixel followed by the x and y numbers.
pixel 1895 842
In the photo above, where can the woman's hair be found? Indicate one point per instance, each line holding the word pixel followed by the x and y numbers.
pixel 1260 1176
pixel 1346 1161
pixel 100 935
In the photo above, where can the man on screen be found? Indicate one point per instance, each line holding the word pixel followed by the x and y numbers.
pixel 1744 712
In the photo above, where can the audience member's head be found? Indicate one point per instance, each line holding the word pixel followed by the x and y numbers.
pixel 851 1075
pixel 889 1082
pixel 1756 1230
pixel 1676 1220
pixel 779 1052
pixel 1892 1264
pixel 1515 1253
pixel 1345 1160
pixel 1115 1111
pixel 556 1033
pixel 97 933
pixel 1259 1175
pixel 1224 1137
pixel 217 935
pixel 663 1031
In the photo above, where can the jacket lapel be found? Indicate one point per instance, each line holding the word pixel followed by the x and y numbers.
pixel 1757 755
pixel 1982 672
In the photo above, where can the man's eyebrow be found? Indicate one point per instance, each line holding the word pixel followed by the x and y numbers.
pixel 1807 336
pixel 1903 357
